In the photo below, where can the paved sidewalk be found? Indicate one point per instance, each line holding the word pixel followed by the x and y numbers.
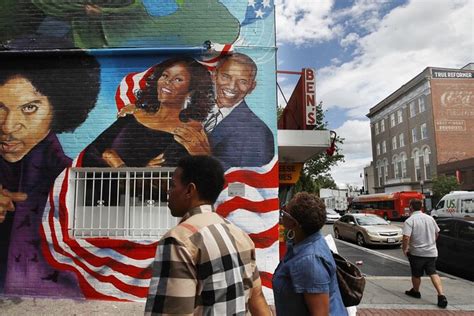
pixel 411 312
pixel 383 296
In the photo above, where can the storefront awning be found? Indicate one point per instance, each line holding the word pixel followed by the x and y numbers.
pixel 301 145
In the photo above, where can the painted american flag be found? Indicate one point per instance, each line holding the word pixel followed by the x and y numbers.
pixel 257 10
pixel 120 269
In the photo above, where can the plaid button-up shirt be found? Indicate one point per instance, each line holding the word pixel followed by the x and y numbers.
pixel 203 266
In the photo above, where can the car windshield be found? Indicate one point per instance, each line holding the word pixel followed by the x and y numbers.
pixel 329 211
pixel 370 220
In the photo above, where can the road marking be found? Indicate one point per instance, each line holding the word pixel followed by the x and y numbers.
pixel 385 256
pixel 374 252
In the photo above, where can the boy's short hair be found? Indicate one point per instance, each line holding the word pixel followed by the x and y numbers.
pixel 416 204
pixel 206 173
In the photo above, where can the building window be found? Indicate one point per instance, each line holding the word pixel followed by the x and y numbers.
pixel 412 109
pixel 378 149
pixel 426 163
pixel 401 140
pixel 414 135
pixel 396 168
pixel 400 116
pixel 394 142
pixel 385 175
pixel 130 203
pixel 416 163
pixel 384 147
pixel 403 160
pixel 421 104
pixel 424 133
pixel 379 173
pixel 382 125
pixel 376 128
pixel 392 120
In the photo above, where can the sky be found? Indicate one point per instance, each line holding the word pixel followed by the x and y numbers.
pixel 363 51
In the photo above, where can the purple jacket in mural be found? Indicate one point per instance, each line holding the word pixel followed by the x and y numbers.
pixel 23 269
pixel 135 143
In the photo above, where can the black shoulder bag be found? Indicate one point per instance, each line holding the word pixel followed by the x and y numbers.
pixel 350 279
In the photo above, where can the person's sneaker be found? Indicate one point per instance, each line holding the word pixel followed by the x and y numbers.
pixel 442 301
pixel 414 293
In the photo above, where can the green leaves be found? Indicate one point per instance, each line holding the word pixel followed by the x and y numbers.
pixel 442 185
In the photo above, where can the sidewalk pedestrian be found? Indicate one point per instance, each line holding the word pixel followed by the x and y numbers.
pixel 205 265
pixel 420 232
pixel 305 281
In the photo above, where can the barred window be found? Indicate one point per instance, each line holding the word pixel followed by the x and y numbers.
pixel 125 202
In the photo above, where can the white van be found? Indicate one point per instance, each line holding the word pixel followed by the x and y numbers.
pixel 455 204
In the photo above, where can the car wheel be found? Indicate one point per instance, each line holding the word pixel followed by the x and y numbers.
pixel 336 234
pixel 360 240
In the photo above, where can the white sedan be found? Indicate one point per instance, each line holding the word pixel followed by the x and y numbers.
pixel 331 216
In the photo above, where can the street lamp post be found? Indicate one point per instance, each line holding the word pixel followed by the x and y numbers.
pixel 366 183
pixel 422 193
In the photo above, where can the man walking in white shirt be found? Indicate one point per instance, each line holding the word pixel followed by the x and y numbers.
pixel 420 232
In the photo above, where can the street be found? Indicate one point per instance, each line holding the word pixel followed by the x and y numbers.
pixel 376 261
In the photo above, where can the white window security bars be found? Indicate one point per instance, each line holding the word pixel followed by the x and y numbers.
pixel 121 202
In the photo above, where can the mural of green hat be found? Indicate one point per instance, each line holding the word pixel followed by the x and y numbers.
pixel 136 23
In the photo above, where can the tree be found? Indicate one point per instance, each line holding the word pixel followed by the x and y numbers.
pixel 315 174
pixel 311 183
pixel 442 185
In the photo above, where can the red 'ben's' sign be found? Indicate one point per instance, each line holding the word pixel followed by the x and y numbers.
pixel 310 96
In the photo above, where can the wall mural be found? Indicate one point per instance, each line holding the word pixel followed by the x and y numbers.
pixel 115 23
pixel 89 109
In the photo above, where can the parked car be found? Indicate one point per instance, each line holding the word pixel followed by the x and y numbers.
pixel 331 216
pixel 367 229
pixel 456 246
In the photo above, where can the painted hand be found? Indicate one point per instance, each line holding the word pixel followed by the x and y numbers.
pixel 158 161
pixel 193 137
pixel 126 110
pixel 92 10
pixel 112 158
pixel 7 200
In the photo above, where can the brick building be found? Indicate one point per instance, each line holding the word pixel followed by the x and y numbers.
pixel 424 129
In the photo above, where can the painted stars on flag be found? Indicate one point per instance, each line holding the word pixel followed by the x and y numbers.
pixel 257 10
